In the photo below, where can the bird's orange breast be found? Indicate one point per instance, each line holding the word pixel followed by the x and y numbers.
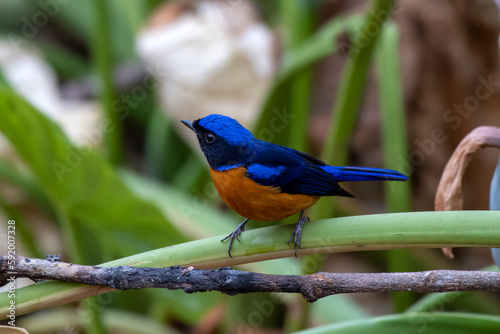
pixel 256 201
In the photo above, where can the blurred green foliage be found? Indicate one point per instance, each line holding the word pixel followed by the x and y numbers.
pixel 106 212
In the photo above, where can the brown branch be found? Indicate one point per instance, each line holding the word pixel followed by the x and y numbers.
pixel 232 282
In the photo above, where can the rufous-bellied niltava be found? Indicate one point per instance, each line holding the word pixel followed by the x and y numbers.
pixel 265 181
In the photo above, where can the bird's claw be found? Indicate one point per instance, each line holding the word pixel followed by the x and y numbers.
pixel 231 236
pixel 235 235
pixel 297 233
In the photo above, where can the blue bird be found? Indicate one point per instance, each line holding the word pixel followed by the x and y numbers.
pixel 265 181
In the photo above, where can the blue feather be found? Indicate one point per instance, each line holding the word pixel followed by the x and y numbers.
pixel 227 167
pixel 267 175
pixel 363 174
pixel 227 128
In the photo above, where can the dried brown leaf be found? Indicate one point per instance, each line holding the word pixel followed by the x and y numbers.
pixel 12 330
pixel 449 192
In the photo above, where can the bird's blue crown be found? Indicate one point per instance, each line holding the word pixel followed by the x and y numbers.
pixel 227 128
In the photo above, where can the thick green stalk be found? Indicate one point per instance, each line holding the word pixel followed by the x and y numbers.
pixel 357 233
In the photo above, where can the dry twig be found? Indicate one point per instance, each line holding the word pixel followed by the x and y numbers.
pixel 232 282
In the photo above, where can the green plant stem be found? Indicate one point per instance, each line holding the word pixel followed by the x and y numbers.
pixel 298 16
pixel 394 142
pixel 357 233
pixel 394 136
pixel 350 93
pixel 69 237
pixel 155 148
pixel 101 49
pixel 352 86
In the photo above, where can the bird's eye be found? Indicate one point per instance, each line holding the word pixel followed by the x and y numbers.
pixel 210 138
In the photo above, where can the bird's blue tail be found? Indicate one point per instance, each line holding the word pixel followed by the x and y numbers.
pixel 364 174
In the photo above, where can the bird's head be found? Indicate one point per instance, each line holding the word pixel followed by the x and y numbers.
pixel 225 143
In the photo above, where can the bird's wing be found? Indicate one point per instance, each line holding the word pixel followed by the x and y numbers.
pixel 294 172
pixel 308 157
pixel 313 180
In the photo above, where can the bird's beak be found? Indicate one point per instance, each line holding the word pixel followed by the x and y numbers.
pixel 189 124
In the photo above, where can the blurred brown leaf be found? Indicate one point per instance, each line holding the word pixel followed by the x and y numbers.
pixel 449 192
pixel 12 330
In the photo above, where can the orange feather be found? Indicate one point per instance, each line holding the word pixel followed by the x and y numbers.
pixel 256 201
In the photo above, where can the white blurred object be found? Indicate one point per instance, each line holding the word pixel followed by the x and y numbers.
pixel 217 56
pixel 30 76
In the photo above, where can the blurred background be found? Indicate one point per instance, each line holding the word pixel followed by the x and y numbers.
pixel 363 83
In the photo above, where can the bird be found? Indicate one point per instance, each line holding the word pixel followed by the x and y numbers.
pixel 264 181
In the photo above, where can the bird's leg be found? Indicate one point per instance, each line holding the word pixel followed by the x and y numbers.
pixel 297 232
pixel 235 235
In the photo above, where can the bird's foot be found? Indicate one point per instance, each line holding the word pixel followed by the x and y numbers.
pixel 235 235
pixel 297 232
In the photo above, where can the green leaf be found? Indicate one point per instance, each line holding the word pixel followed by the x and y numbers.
pixel 337 308
pixel 166 153
pixel 191 214
pixel 188 308
pixel 82 187
pixel 428 323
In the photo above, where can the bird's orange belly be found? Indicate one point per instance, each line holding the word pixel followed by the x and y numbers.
pixel 255 201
